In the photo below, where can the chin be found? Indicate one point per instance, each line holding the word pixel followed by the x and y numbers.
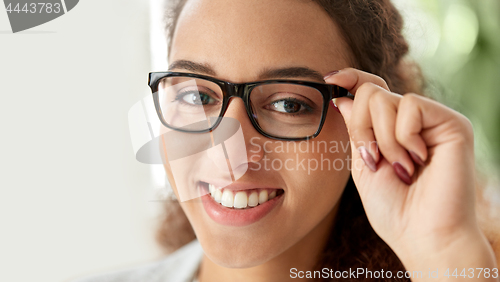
pixel 233 253
pixel 238 260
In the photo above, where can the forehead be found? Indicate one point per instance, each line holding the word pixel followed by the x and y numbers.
pixel 240 38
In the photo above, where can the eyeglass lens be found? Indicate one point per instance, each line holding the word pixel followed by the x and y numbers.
pixel 284 110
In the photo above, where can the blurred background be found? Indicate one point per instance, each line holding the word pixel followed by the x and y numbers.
pixel 457 43
pixel 73 199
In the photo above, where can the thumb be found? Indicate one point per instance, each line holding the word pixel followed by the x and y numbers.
pixel 345 107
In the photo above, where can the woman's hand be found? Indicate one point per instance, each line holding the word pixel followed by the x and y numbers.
pixel 413 164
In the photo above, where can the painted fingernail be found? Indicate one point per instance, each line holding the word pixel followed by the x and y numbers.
pixel 332 104
pixel 330 74
pixel 401 173
pixel 416 158
pixel 367 158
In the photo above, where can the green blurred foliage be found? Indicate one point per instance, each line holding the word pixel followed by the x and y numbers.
pixel 463 68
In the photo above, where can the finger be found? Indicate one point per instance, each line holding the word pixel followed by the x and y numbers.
pixel 361 125
pixel 359 128
pixel 408 128
pixel 344 105
pixel 384 111
pixel 423 123
pixel 351 79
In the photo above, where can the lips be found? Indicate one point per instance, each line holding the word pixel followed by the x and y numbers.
pixel 239 205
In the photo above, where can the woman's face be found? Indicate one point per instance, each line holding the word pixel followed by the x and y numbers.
pixel 237 41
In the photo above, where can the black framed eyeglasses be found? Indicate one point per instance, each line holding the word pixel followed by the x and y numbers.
pixel 288 110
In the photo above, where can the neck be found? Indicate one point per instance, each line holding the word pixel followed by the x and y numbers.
pixel 303 256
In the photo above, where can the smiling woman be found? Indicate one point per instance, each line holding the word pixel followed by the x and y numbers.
pixel 404 200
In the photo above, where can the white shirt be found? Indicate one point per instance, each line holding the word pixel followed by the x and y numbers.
pixel 180 266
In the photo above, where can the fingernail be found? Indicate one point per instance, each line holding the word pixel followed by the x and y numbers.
pixel 367 158
pixel 401 172
pixel 334 106
pixel 416 158
pixel 330 74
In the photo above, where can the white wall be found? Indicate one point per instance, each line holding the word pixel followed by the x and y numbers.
pixel 73 199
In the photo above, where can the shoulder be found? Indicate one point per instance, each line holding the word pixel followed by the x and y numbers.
pixel 179 266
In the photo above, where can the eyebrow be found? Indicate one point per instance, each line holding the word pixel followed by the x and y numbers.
pixel 287 72
pixel 192 66
pixel 291 72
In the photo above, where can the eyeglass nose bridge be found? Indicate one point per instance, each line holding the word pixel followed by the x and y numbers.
pixel 239 90
pixel 236 90
pixel 243 91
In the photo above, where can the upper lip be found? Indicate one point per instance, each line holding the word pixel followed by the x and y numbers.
pixel 238 186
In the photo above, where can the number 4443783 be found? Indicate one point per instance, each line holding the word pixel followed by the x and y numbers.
pixel 472 273
pixel 47 8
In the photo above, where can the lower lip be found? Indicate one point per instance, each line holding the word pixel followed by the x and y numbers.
pixel 238 217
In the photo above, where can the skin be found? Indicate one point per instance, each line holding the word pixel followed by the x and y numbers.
pixel 237 42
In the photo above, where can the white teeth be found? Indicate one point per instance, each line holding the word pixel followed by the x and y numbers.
pixel 253 199
pixel 262 196
pixel 227 199
pixel 218 196
pixel 240 200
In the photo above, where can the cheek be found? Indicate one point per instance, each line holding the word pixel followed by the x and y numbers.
pixel 317 188
pixel 320 170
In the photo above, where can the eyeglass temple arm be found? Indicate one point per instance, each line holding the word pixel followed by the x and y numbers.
pixel 341 92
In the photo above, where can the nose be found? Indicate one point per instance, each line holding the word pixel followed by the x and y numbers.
pixel 240 150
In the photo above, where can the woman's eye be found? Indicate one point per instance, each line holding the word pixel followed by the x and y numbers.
pixel 288 106
pixel 197 98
